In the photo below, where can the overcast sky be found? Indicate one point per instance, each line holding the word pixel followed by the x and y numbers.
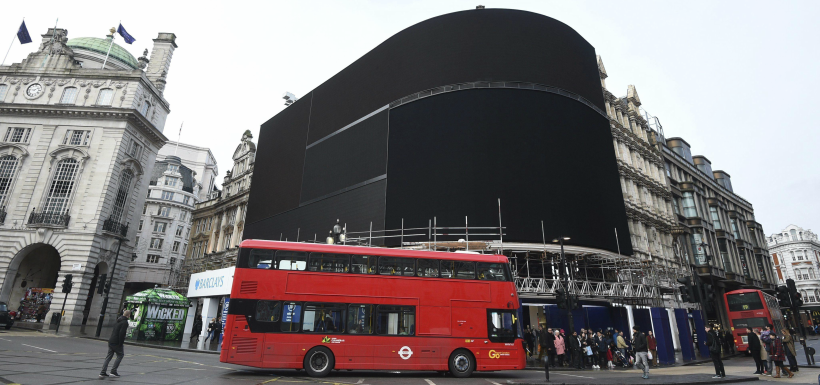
pixel 737 79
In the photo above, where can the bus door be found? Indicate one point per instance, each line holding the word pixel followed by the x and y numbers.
pixel 398 347
pixel 359 349
pixel 503 328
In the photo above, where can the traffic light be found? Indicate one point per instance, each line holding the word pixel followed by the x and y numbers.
pixel 709 292
pixel 783 298
pixel 794 295
pixel 573 302
pixel 67 283
pixel 101 284
pixel 687 291
pixel 561 297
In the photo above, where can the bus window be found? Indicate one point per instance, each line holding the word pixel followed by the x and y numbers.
pixel 502 325
pixel 333 263
pixel 457 269
pixel 359 319
pixel 427 267
pixel 268 311
pixel 291 316
pixel 493 271
pixel 396 320
pixel 744 301
pixel 396 266
pixel 324 318
pixel 362 264
pixel 291 260
pixel 260 259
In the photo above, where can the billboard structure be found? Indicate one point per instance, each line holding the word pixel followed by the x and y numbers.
pixel 157 315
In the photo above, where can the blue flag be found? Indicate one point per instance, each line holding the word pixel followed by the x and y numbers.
pixel 128 38
pixel 22 34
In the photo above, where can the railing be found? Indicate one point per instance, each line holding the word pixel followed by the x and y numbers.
pixel 2 215
pixel 115 227
pixel 587 288
pixel 53 219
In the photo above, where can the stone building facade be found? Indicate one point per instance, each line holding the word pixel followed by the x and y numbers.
pixel 183 176
pixel 217 223
pixel 795 253
pixel 78 147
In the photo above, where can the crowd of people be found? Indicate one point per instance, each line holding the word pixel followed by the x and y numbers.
pixel 770 350
pixel 601 349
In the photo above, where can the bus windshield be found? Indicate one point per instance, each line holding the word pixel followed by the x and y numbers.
pixel 744 301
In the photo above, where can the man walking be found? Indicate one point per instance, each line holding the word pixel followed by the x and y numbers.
pixel 529 340
pixel 542 342
pixel 196 330
pixel 549 341
pixel 640 347
pixel 115 345
pixel 714 345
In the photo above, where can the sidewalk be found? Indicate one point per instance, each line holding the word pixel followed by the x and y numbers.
pixel 634 377
pixel 186 346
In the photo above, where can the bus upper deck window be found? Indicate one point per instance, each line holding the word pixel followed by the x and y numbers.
pixel 260 259
pixel 457 269
pixel 493 271
pixel 363 264
pixel 291 260
pixel 330 263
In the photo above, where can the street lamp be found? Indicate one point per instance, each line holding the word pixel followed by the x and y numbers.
pixel 563 276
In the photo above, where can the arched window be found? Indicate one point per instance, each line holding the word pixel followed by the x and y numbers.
pixel 69 95
pixel 62 184
pixel 105 97
pixel 122 195
pixel 8 165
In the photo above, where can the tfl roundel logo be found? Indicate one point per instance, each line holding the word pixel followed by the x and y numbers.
pixel 405 352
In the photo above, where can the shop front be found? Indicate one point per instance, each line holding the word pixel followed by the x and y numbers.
pixel 212 289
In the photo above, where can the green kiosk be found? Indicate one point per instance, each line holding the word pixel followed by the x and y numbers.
pixel 157 315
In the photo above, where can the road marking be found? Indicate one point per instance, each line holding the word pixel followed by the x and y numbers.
pixel 492 382
pixel 5 339
pixel 572 375
pixel 39 348
pixel 361 381
pixel 430 382
pixel 269 381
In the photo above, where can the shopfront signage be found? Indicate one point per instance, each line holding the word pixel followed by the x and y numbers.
pixel 211 283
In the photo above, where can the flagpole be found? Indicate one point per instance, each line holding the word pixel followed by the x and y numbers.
pixel 178 137
pixel 109 47
pixel 52 43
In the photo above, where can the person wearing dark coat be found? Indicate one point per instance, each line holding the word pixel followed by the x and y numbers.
pixel 196 330
pixel 115 345
pixel 575 345
pixel 602 345
pixel 530 340
pixel 715 348
pixel 754 349
pixel 549 339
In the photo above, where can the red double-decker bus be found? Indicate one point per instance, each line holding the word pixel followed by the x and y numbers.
pixel 322 307
pixel 751 309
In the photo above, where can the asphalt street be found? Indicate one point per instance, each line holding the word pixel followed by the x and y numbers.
pixel 28 357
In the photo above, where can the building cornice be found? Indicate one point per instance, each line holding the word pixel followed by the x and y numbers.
pixel 75 112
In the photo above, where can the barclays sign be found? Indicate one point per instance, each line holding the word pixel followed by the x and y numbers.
pixel 211 283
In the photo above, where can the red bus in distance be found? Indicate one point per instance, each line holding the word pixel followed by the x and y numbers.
pixel 321 307
pixel 751 309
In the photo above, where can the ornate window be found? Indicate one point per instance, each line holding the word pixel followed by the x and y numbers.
pixel 3 89
pixel 122 195
pixel 144 108
pixel 17 135
pixel 8 166
pixel 134 149
pixel 152 258
pixel 168 195
pixel 77 137
pixel 105 97
pixel 62 185
pixel 69 95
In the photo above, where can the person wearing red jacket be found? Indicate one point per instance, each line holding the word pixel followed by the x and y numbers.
pixel 653 347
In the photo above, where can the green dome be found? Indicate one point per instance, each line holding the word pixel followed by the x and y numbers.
pixel 101 46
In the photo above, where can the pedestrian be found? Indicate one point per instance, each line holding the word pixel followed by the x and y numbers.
pixel 549 341
pixel 218 330
pixel 560 348
pixel 754 350
pixel 766 340
pixel 640 346
pixel 41 312
pixel 211 330
pixel 778 355
pixel 728 341
pixel 196 330
pixel 602 349
pixel 542 340
pixel 575 347
pixel 528 339
pixel 714 345
pixel 652 343
pixel 788 343
pixel 621 345
pixel 115 345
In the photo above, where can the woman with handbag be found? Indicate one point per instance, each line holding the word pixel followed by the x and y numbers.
pixel 778 354
pixel 788 343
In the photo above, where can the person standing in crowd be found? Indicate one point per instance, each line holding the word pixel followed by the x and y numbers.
pixel 542 340
pixel 714 345
pixel 560 348
pixel 652 344
pixel 549 341
pixel 218 330
pixel 766 339
pixel 754 350
pixel 640 346
pixel 41 312
pixel 778 354
pixel 788 344
pixel 116 345
pixel 728 342
pixel 621 344
pixel 196 330
pixel 764 355
pixel 601 348
pixel 529 340
pixel 576 346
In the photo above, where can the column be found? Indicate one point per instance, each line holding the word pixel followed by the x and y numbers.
pixel 630 317
pixel 189 321
pixel 673 323
pixel 210 306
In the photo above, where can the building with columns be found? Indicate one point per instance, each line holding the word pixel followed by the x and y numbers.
pixel 78 140
pixel 795 253
pixel 218 222
pixel 183 176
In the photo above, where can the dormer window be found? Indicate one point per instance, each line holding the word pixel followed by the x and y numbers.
pixel 173 168
pixel 69 95
pixel 105 97
pixel 77 137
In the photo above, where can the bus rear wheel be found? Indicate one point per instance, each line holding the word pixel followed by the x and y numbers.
pixel 319 361
pixel 462 363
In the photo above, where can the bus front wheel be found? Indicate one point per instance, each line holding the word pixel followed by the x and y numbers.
pixel 319 361
pixel 462 363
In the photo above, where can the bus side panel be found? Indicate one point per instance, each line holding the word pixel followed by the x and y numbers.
pixel 501 356
pixel 285 350
pixel 433 320
pixel 469 322
pixel 358 353
pixel 240 345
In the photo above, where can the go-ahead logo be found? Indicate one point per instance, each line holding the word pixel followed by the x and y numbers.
pixel 209 283
pixel 495 354
pixel 405 353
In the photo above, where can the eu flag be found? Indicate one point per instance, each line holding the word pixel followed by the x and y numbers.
pixel 128 38
pixel 22 34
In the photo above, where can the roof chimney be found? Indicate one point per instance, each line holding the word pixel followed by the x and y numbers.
pixel 160 63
